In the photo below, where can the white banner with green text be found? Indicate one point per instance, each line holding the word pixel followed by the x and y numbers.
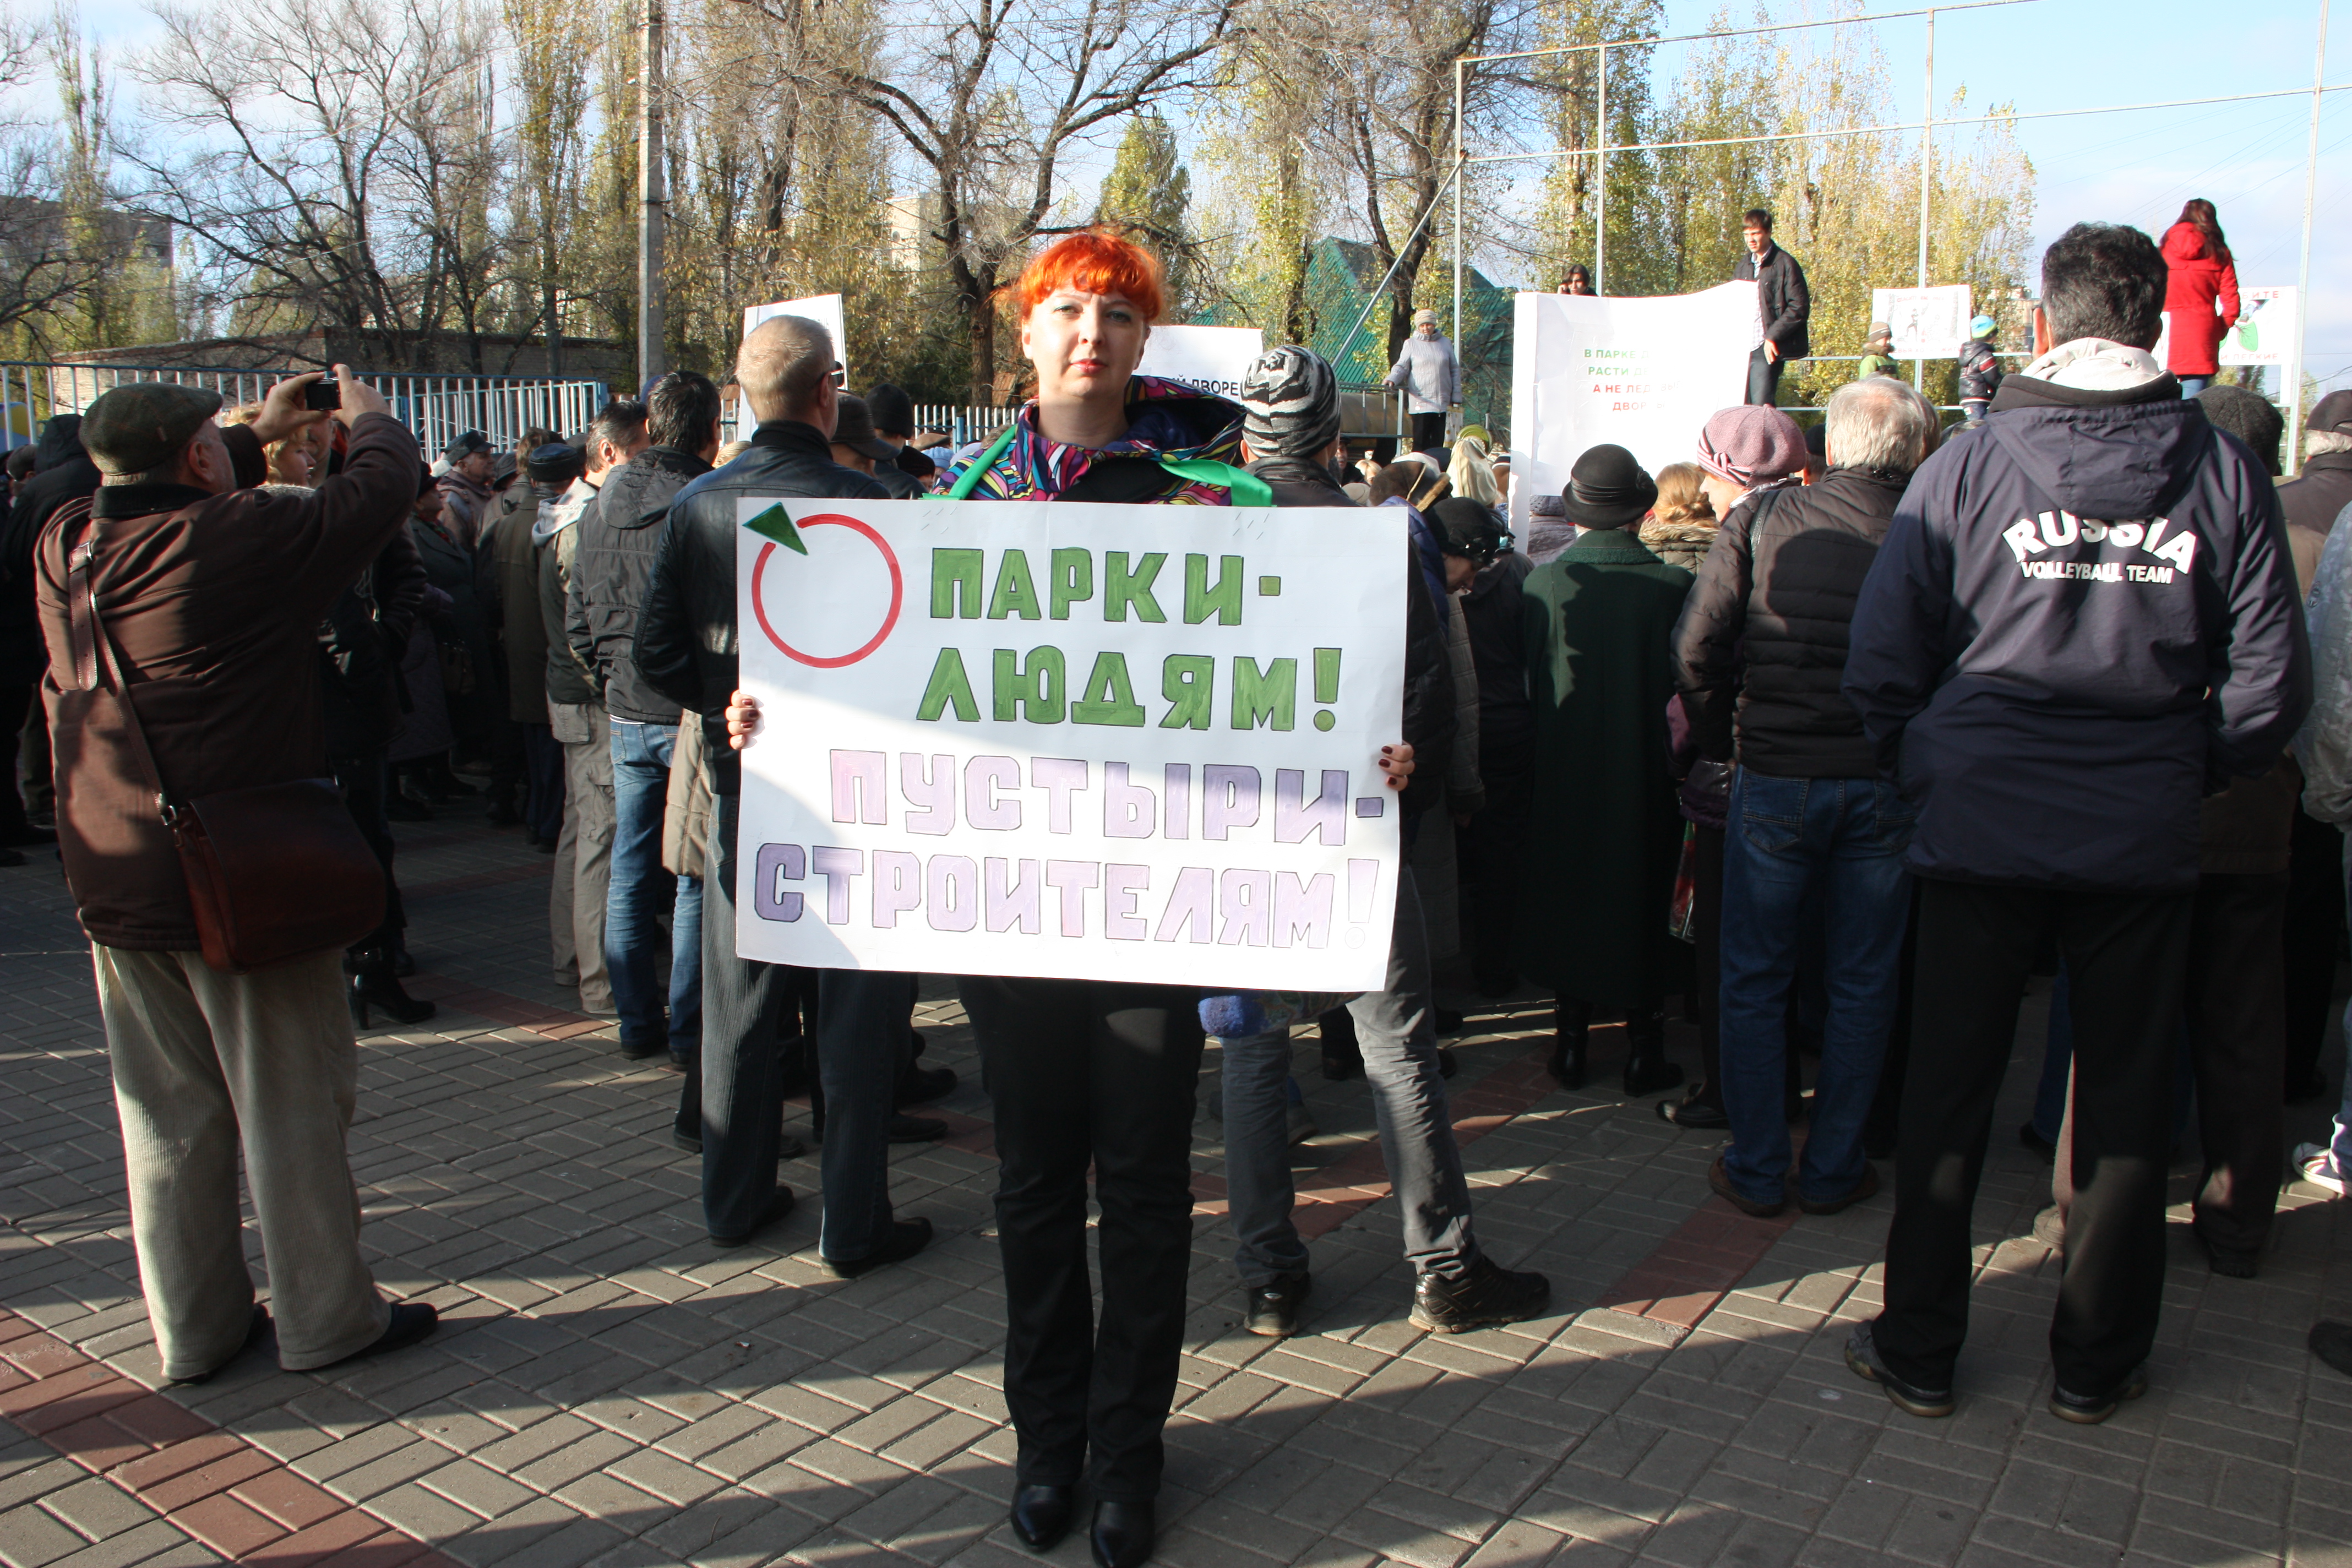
pixel 1108 742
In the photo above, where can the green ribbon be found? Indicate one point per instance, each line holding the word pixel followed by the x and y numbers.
pixel 1246 488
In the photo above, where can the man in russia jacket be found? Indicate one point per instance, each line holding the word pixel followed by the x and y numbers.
pixel 2083 621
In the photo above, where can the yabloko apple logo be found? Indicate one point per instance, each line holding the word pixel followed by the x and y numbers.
pixel 851 581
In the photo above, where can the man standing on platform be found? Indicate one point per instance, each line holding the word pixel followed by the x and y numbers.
pixel 1780 300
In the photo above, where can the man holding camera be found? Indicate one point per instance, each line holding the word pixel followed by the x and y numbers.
pixel 200 603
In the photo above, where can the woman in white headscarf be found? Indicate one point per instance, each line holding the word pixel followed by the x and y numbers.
pixel 1472 473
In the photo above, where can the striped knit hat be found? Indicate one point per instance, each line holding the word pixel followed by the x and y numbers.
pixel 1290 403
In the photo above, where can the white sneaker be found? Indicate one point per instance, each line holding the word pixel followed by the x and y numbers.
pixel 2315 1163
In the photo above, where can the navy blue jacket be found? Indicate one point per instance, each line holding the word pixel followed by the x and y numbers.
pixel 2082 620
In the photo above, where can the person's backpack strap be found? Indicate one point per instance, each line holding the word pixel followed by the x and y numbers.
pixel 1244 487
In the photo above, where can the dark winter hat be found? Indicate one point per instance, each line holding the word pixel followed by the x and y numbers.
pixel 1817 439
pixel 555 464
pixel 503 470
pixel 1468 528
pixel 1751 445
pixel 465 446
pixel 855 430
pixel 1545 506
pixel 2250 416
pixel 143 426
pixel 893 410
pixel 1290 403
pixel 2332 412
pixel 1607 488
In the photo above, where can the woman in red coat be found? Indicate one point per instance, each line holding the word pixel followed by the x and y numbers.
pixel 2202 271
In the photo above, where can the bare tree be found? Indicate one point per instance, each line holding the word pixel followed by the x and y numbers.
pixel 327 150
pixel 992 98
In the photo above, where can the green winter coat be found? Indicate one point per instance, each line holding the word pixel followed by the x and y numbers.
pixel 1603 832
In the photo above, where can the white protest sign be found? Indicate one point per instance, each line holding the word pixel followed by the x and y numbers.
pixel 1210 358
pixel 824 310
pixel 1929 323
pixel 1643 373
pixel 1105 742
pixel 2264 333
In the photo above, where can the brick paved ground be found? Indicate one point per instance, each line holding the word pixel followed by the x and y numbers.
pixel 608 1388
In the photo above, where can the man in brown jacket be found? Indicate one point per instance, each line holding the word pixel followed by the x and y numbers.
pixel 211 593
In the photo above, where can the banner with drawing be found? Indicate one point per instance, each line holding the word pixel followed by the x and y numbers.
pixel 1112 742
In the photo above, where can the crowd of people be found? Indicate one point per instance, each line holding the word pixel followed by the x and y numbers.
pixel 1838 736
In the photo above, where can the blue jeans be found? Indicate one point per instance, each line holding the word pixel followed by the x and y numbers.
pixel 2191 385
pixel 1787 840
pixel 641 758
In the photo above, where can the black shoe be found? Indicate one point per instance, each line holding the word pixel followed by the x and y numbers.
pixel 1040 1516
pixel 1448 1022
pixel 1718 1181
pixel 1860 1192
pixel 2089 1410
pixel 2044 1149
pixel 2231 1262
pixel 1273 1310
pixel 255 1327
pixel 1571 1030
pixel 1485 1297
pixel 1446 1066
pixel 1647 1071
pixel 2331 1341
pixel 638 1050
pixel 1336 1067
pixel 1694 1114
pixel 905 1128
pixel 374 985
pixel 778 1207
pixel 921 1085
pixel 689 1142
pixel 908 1237
pixel 1121 1537
pixel 404 963
pixel 411 1321
pixel 2311 1091
pixel 544 845
pixel 1862 1360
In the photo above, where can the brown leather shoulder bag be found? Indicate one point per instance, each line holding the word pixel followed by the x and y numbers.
pixel 275 871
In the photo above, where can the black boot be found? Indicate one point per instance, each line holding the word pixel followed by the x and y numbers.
pixel 373 984
pixel 1572 1026
pixel 1647 1071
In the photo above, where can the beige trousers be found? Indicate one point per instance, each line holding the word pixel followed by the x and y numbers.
pixel 583 851
pixel 203 1063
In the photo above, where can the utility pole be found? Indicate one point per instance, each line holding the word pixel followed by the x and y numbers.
pixel 653 204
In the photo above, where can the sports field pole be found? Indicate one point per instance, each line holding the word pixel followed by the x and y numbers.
pixel 2302 269
pixel 1927 167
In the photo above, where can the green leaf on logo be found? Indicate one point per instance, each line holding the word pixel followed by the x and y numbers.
pixel 773 524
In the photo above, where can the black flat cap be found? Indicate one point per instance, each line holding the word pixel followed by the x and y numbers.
pixel 2332 412
pixel 143 425
pixel 556 463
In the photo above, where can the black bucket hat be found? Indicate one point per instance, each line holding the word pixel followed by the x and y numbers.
pixel 1607 488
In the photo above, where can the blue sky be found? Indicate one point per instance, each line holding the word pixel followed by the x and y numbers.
pixel 2137 168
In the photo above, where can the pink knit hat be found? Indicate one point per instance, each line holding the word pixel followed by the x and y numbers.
pixel 1751 446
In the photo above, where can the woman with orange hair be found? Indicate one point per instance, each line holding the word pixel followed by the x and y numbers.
pixel 1085 1072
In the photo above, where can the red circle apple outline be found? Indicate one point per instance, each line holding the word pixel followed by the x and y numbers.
pixel 889 622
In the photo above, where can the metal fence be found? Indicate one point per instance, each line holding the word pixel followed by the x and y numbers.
pixel 439 408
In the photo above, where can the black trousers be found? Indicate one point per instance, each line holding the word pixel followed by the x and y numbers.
pixel 1091 1072
pixel 17 698
pixel 1764 378
pixel 363 782
pixel 1428 432
pixel 542 763
pixel 1493 848
pixel 2237 1038
pixel 2314 925
pixel 2127 954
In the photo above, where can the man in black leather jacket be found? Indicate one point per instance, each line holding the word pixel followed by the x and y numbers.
pixel 1781 300
pixel 686 651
